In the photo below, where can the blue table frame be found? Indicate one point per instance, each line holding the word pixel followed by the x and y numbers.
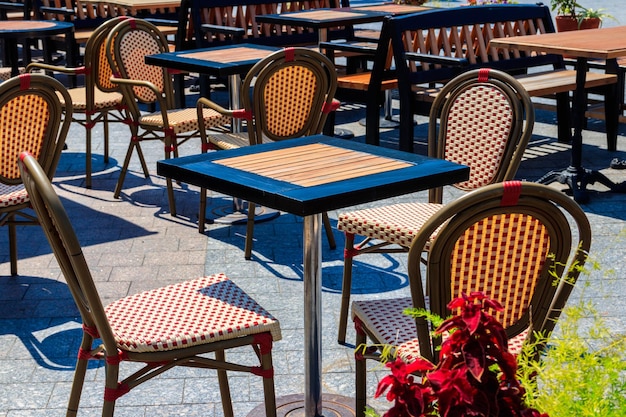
pixel 306 177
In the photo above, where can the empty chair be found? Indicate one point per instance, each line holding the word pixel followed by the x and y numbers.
pixel 482 119
pixel 286 95
pixel 127 45
pixel 99 98
pixel 31 119
pixel 520 243
pixel 161 328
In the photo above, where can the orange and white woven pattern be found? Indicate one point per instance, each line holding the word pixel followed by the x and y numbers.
pixel 396 223
pixel 102 100
pixel 184 120
pixel 12 195
pixel 289 108
pixel 503 246
pixel 484 114
pixel 204 310
pixel 21 130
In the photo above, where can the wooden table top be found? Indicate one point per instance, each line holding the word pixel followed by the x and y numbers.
pixel 393 8
pixel 143 4
pixel 21 27
pixel 604 43
pixel 324 18
pixel 219 61
pixel 314 174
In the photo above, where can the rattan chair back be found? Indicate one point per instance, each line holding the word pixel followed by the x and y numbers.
pixel 289 93
pixel 483 119
pixel 519 243
pixel 129 43
pixel 161 328
pixel 32 119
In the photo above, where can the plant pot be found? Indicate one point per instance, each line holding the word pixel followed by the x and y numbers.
pixel 568 23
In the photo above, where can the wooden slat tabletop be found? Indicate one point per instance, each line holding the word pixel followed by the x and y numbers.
pixel 314 164
pixel 229 55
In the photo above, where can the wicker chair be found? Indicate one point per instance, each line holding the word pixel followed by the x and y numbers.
pixel 511 241
pixel 127 45
pixel 99 98
pixel 31 119
pixel 483 119
pixel 291 97
pixel 162 328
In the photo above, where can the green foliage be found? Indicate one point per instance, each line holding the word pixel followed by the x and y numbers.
pixel 583 370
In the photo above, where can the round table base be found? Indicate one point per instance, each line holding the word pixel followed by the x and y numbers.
pixel 293 406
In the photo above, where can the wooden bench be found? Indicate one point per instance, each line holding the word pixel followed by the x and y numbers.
pixel 217 22
pixel 429 48
pixel 87 15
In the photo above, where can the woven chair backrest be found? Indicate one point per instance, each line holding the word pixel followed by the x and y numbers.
pixel 512 241
pixel 289 94
pixel 130 41
pixel 67 250
pixel 482 119
pixel 98 68
pixel 32 119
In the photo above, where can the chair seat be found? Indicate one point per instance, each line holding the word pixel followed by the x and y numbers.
pixel 102 100
pixel 396 223
pixel 386 322
pixel 12 195
pixel 181 318
pixel 231 140
pixel 184 120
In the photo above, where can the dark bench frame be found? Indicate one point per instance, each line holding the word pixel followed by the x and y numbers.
pixel 432 64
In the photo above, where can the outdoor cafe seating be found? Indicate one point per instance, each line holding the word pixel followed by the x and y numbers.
pixel 491 142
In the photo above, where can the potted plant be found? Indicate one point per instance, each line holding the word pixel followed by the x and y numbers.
pixel 476 375
pixel 570 15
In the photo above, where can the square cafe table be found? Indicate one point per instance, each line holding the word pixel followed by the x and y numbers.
pixel 306 177
pixel 606 44
pixel 224 61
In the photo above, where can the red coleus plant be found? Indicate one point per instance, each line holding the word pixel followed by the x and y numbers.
pixel 475 376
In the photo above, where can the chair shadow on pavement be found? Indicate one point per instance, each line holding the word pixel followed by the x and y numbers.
pixel 41 313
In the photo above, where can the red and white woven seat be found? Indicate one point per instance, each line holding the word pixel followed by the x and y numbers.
pixel 12 195
pixel 192 323
pixel 176 316
pixel 387 324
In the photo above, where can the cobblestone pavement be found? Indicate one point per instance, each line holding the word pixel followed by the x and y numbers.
pixel 133 244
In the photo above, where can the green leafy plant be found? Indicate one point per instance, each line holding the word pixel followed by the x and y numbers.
pixel 576 11
pixel 583 370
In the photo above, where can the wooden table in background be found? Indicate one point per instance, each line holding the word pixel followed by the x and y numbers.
pixel 605 44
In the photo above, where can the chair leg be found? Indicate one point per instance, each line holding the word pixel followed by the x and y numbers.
pixel 12 245
pixel 105 128
pixel 88 128
pixel 249 231
pixel 564 118
pixel 346 288
pixel 202 211
pixel 227 403
pixel 120 180
pixel 79 378
pixel 112 375
pixel 329 231
pixel 268 386
pixel 360 377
